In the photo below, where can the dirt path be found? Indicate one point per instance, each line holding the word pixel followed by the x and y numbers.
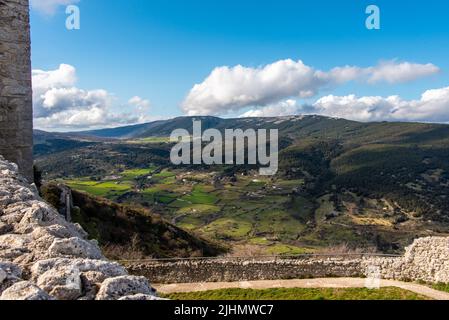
pixel 304 283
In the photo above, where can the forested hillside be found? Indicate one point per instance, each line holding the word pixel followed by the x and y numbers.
pixel 130 231
pixel 370 185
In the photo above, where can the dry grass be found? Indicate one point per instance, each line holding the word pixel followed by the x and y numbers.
pixel 345 248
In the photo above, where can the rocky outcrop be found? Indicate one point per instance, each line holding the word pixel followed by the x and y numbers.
pixel 116 288
pixel 44 257
pixel 25 290
pixel 427 259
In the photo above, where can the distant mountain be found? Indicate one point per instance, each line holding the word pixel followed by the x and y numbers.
pixel 47 143
pixel 294 127
pixel 41 136
pixel 163 128
pixel 118 133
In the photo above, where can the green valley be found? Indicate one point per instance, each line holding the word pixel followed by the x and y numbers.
pixel 341 185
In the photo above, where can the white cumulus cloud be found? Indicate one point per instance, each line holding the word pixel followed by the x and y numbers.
pixel 141 107
pixel 59 104
pixel 49 7
pixel 230 89
pixel 64 76
pixel 393 72
pixel 433 106
pixel 139 103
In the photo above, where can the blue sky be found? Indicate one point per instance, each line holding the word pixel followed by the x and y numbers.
pixel 158 50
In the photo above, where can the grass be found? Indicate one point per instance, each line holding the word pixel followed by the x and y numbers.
pixel 441 286
pixel 371 221
pixel 289 184
pixel 326 207
pixel 199 196
pixel 284 249
pixel 278 222
pixel 302 209
pixel 259 241
pixel 159 195
pixel 135 173
pixel 388 293
pixel 164 174
pixel 151 140
pixel 101 189
pixel 198 209
pixel 190 223
pixel 229 228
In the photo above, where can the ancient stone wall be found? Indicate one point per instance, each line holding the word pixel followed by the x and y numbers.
pixel 43 257
pixel 16 112
pixel 427 259
pixel 245 270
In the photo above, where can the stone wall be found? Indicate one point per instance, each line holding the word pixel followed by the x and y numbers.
pixel 16 112
pixel 43 257
pixel 427 259
pixel 244 270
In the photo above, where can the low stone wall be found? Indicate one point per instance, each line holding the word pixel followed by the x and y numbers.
pixel 44 257
pixel 427 259
pixel 239 270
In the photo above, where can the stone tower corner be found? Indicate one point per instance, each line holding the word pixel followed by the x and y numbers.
pixel 16 111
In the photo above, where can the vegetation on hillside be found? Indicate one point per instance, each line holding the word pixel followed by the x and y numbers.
pixel 129 231
pixel 441 286
pixel 375 185
pixel 388 293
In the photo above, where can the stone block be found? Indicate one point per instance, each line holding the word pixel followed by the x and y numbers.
pixel 16 110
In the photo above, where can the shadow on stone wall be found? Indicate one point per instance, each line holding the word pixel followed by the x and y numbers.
pixel 427 259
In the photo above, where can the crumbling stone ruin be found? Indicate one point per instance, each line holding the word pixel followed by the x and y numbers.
pixel 44 257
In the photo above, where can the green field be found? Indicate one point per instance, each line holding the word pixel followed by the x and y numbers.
pixel 388 293
pixel 258 211
pixel 109 189
pixel 150 140
pixel 441 287
pixel 199 196
pixel 231 212
pixel 135 173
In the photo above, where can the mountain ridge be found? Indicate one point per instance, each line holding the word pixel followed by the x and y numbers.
pixel 295 127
